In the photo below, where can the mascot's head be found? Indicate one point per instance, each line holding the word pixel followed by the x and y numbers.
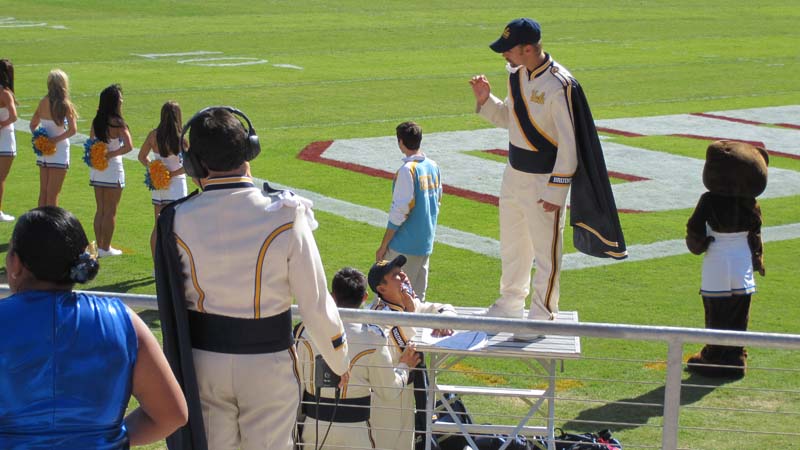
pixel 736 169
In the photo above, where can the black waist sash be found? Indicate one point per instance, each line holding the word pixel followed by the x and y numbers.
pixel 543 158
pixel 223 334
pixel 349 410
pixel 530 161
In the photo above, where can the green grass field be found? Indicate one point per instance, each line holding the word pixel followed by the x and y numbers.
pixel 367 67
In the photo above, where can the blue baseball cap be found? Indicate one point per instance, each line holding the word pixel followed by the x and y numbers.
pixel 380 269
pixel 518 31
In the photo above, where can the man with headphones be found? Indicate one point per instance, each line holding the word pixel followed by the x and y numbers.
pixel 229 260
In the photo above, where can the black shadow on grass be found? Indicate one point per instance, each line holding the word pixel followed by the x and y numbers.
pixel 125 286
pixel 634 413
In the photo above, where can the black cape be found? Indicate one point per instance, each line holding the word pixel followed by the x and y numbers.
pixel 593 212
pixel 175 329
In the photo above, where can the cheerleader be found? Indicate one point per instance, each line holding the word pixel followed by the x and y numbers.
pixel 109 127
pixel 8 115
pixel 164 143
pixel 57 115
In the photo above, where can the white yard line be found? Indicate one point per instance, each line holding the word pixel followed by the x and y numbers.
pixel 472 242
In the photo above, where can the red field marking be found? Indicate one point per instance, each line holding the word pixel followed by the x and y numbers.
pixel 611 173
pixel 756 143
pixel 726 118
pixel 313 152
pixel 748 122
pixel 711 138
pixel 619 132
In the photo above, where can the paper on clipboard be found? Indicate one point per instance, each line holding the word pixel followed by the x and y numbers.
pixel 460 340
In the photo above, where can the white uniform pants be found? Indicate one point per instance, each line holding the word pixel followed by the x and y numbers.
pixel 248 401
pixel 416 268
pixel 527 232
pixel 342 436
pixel 393 421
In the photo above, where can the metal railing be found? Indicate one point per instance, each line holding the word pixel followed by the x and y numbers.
pixel 674 337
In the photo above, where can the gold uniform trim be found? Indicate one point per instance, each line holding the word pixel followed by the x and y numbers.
pixel 533 122
pixel 597 234
pixel 201 296
pixel 554 258
pixel 336 338
pixel 353 363
pixel 260 262
pixel 225 180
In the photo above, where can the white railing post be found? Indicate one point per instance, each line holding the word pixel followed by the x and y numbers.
pixel 672 395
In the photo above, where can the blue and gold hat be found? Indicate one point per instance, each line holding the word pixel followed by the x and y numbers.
pixel 380 269
pixel 518 31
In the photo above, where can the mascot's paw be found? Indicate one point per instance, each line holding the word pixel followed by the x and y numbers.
pixel 698 244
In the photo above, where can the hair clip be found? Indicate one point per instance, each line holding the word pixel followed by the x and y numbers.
pixel 85 268
pixel 91 249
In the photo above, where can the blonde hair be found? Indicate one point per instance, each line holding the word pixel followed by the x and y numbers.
pixel 58 95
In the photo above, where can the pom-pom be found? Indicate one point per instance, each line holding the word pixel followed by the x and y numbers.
pixel 94 154
pixel 157 176
pixel 41 144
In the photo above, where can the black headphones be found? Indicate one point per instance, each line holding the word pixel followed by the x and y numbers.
pixel 192 164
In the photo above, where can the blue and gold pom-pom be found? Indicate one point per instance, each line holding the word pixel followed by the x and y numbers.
pixel 41 144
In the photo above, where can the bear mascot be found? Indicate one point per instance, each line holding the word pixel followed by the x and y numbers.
pixel 726 225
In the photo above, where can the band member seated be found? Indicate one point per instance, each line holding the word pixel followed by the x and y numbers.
pixel 394 421
pixel 341 420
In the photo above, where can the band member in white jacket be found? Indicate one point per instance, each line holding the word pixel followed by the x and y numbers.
pixel 341 420
pixel 394 420
pixel 229 262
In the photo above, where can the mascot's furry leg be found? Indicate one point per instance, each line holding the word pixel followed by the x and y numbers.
pixel 726 313
pixel 726 225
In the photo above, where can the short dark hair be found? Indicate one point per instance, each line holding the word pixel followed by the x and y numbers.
pixel 218 139
pixel 50 242
pixel 410 134
pixel 349 287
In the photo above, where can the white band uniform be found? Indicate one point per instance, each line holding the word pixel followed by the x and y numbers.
pixel 371 372
pixel 393 419
pixel 527 232
pixel 245 254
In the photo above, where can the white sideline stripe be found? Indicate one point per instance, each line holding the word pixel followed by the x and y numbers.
pixel 491 247
pixel 663 249
pixel 23 24
pixel 208 62
pixel 171 55
pixel 377 218
pixel 472 242
pixel 287 66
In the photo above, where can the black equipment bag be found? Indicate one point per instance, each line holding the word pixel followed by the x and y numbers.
pixel 602 440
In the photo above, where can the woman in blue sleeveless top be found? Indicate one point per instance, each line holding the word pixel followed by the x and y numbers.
pixel 69 362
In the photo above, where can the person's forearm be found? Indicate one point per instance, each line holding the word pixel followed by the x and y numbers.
pixel 387 237
pixel 142 429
